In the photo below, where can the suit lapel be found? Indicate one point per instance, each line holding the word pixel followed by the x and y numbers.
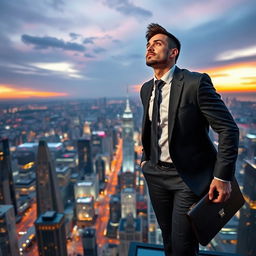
pixel 147 99
pixel 175 93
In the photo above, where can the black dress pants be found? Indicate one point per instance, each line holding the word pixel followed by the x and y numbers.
pixel 171 198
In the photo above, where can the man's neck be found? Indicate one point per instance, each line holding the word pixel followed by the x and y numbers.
pixel 159 72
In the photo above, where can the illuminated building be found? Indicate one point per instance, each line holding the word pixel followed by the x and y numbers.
pixel 247 224
pixel 100 168
pixel 47 188
pixel 87 187
pixel 8 237
pixel 26 186
pixel 130 230
pixel 114 216
pixel 102 143
pixel 127 179
pixel 89 242
pixel 115 210
pixel 7 190
pixel 154 232
pixel 66 191
pixel 85 213
pixel 84 149
pixel 251 146
pixel 68 159
pixel 27 171
pixel 128 143
pixel 50 234
pixel 128 202
pixel 86 129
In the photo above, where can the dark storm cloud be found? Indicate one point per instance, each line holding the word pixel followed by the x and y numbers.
pixel 128 8
pixel 46 42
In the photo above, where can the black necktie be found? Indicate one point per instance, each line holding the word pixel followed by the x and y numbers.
pixel 154 155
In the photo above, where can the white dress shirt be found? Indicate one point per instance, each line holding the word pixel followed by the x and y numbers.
pixel 164 109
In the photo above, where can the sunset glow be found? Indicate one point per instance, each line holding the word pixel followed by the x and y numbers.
pixel 9 92
pixel 238 77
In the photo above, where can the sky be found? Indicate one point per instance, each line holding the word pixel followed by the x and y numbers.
pixel 96 48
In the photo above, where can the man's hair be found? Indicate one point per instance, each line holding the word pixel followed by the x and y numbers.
pixel 154 29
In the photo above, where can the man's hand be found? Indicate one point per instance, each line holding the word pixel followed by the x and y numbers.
pixel 223 189
pixel 142 163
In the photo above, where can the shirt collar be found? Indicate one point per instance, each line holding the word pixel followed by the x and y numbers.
pixel 167 77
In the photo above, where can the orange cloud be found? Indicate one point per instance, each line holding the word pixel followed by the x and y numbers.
pixel 10 92
pixel 239 77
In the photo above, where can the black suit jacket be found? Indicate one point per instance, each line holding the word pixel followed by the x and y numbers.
pixel 194 105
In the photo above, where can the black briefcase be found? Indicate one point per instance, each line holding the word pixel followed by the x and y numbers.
pixel 208 218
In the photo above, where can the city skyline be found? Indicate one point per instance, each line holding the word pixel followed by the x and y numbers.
pixel 60 49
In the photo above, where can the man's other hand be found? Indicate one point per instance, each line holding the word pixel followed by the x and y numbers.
pixel 223 189
pixel 142 163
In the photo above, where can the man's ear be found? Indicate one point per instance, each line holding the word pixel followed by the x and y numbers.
pixel 173 53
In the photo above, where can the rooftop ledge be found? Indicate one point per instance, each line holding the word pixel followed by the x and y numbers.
pixel 143 249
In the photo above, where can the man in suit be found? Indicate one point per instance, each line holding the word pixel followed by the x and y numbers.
pixel 179 161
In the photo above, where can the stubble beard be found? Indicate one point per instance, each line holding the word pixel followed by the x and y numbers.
pixel 156 63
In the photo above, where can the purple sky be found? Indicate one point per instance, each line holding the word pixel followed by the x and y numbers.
pixel 95 48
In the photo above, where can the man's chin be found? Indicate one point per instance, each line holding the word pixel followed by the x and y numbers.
pixel 151 63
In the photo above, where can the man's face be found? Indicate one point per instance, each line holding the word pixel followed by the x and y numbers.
pixel 157 51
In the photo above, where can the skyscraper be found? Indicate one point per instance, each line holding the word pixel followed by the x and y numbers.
pixel 7 190
pixel 84 149
pixel 114 216
pixel 247 225
pixel 89 242
pixel 128 143
pixel 130 229
pixel 128 202
pixel 47 188
pixel 50 233
pixel 8 237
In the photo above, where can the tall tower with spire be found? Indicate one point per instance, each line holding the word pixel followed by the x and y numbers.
pixel 128 143
pixel 7 190
pixel 47 188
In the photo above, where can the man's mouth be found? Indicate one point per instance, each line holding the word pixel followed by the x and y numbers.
pixel 150 54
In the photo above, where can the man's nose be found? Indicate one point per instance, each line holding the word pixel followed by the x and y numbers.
pixel 150 48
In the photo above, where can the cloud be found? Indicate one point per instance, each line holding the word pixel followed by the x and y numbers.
pixel 46 42
pixel 74 36
pixel 60 67
pixel 237 53
pixel 126 7
pixel 89 40
pixel 99 50
pixel 56 4
pixel 88 55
